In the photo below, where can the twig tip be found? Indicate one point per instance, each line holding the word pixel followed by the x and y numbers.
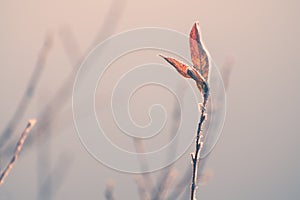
pixel 32 122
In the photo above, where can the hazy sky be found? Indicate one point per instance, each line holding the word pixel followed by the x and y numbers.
pixel 257 156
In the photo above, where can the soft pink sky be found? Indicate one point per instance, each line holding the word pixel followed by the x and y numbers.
pixel 257 156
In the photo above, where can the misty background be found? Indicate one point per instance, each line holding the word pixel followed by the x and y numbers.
pixel 257 156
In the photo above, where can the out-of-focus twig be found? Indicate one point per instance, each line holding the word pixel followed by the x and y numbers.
pixel 60 98
pixel 226 69
pixel 205 177
pixel 147 179
pixel 159 191
pixel 19 147
pixel 110 21
pixel 44 188
pixel 71 46
pixel 141 186
pixel 109 191
pixel 29 91
pixel 57 176
pixel 183 183
pixel 166 184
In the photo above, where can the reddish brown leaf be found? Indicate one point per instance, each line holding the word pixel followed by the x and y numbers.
pixel 187 71
pixel 179 66
pixel 198 52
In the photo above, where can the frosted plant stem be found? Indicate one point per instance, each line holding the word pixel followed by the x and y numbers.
pixel 198 147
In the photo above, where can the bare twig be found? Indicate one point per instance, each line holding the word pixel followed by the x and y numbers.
pixel 19 147
pixel 28 94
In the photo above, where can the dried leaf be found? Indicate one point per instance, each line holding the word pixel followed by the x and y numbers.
pixel 187 71
pixel 198 52
pixel 179 66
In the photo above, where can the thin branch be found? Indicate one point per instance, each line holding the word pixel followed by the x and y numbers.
pixel 19 147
